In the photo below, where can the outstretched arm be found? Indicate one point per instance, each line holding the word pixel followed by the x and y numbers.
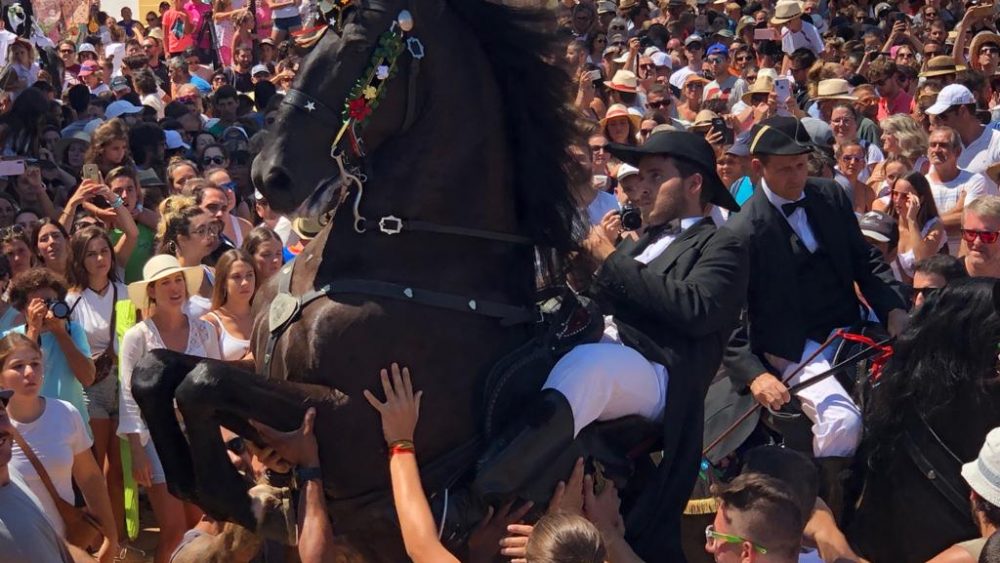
pixel 399 415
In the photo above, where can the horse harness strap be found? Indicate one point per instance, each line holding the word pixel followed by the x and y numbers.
pixel 392 225
pixel 286 308
pixel 951 491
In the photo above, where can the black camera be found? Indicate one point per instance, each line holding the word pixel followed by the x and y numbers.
pixel 631 218
pixel 58 307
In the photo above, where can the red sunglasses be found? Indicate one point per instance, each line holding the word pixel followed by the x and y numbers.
pixel 988 237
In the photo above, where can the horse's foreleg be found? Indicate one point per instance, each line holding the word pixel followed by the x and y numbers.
pixel 217 394
pixel 154 382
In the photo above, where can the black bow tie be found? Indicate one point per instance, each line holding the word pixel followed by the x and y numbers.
pixel 789 208
pixel 666 229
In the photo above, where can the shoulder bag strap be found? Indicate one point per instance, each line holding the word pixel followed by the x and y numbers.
pixel 39 468
pixel 114 315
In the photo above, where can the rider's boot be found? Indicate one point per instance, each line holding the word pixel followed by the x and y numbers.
pixel 834 477
pixel 518 457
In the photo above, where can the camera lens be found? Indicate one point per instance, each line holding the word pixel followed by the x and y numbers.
pixel 59 308
pixel 631 218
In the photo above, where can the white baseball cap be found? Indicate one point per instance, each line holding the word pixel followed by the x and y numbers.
pixel 951 95
pixel 983 473
pixel 86 48
pixel 258 69
pixel 626 170
pixel 173 140
pixel 120 107
pixel 662 59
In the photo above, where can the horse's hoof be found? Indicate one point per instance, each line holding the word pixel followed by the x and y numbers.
pixel 275 515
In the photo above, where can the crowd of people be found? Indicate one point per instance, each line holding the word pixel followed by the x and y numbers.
pixel 819 155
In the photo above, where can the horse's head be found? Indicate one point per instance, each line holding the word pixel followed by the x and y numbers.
pixel 296 169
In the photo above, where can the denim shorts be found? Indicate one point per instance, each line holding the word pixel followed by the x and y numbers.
pixel 102 398
pixel 158 476
pixel 285 24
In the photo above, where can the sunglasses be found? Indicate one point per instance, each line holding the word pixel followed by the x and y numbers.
pixel 715 60
pixel 660 104
pixel 210 230
pixel 647 67
pixel 990 50
pixel 216 160
pixel 925 292
pixel 712 536
pixel 598 148
pixel 743 57
pixel 988 237
pixel 66 51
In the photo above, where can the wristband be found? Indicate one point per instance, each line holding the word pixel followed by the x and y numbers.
pixel 303 474
pixel 401 447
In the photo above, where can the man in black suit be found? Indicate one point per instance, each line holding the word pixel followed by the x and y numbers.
pixel 808 256
pixel 672 298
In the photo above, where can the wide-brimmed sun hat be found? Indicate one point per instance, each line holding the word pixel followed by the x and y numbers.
pixel 619 110
pixel 786 11
pixel 159 267
pixel 703 120
pixel 983 473
pixel 982 38
pixel 941 65
pixel 623 81
pixel 307 228
pixel 763 85
pixel 834 89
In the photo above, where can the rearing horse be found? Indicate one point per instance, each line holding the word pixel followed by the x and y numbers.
pixel 461 166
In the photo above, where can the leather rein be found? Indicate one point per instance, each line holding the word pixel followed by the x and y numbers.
pixel 348 152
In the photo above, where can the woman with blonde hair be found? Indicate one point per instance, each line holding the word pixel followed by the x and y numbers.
pixel 56 434
pixel 235 286
pixel 162 294
pixel 109 146
pixel 903 136
pixel 190 234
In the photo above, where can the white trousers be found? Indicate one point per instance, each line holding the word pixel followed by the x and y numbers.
pixel 836 419
pixel 608 380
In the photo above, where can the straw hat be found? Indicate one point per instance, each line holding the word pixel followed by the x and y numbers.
pixel 834 89
pixel 763 85
pixel 306 227
pixel 695 78
pixel 623 81
pixel 703 121
pixel 619 110
pixel 786 11
pixel 981 39
pixel 941 65
pixel 156 33
pixel 157 268
pixel 626 4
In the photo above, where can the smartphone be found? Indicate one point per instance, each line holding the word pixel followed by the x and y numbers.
pixel 765 34
pixel 92 172
pixel 12 167
pixel 594 75
pixel 783 88
pixel 719 124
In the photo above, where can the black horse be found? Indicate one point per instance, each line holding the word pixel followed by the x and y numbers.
pixel 929 413
pixel 458 159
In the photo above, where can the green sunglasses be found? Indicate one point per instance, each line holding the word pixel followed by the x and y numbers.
pixel 712 536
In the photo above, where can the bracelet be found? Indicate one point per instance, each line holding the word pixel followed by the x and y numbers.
pixel 401 447
pixel 117 203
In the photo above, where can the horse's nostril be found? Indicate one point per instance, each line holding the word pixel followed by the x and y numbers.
pixel 276 184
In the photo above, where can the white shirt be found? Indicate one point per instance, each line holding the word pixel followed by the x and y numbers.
pixel 797 220
pixel 56 437
pixel 972 185
pixel 808 37
pixel 654 250
pixel 203 341
pixel 93 312
pixel 981 153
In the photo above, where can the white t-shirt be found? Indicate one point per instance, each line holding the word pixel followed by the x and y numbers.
pixel 680 75
pixel 946 197
pixel 154 101
pixel 93 312
pixel 598 208
pixel 981 153
pixel 115 52
pixel 56 437
pixel 807 37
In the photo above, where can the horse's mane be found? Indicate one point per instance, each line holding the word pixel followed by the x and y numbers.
pixel 521 46
pixel 949 348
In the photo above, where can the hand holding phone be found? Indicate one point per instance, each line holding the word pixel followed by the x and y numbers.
pixel 719 126
pixel 783 89
pixel 12 167
pixel 765 34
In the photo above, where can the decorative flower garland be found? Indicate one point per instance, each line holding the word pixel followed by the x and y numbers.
pixel 366 94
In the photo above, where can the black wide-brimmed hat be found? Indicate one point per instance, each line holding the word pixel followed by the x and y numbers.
pixel 685 146
pixel 783 136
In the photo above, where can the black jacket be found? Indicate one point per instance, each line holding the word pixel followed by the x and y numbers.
pixel 679 311
pixel 774 322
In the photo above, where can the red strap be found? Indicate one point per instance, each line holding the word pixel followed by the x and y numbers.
pixel 878 362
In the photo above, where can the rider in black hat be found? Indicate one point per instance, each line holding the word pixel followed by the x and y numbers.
pixel 808 255
pixel 673 296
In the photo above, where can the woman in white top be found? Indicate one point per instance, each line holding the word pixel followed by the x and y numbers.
pixel 189 233
pixel 55 432
pixel 921 232
pixel 161 295
pixel 92 297
pixel 235 285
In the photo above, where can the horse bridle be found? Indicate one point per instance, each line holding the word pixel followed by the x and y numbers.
pixel 348 148
pixel 355 169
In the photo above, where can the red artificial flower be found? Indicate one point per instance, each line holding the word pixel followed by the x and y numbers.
pixel 358 108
